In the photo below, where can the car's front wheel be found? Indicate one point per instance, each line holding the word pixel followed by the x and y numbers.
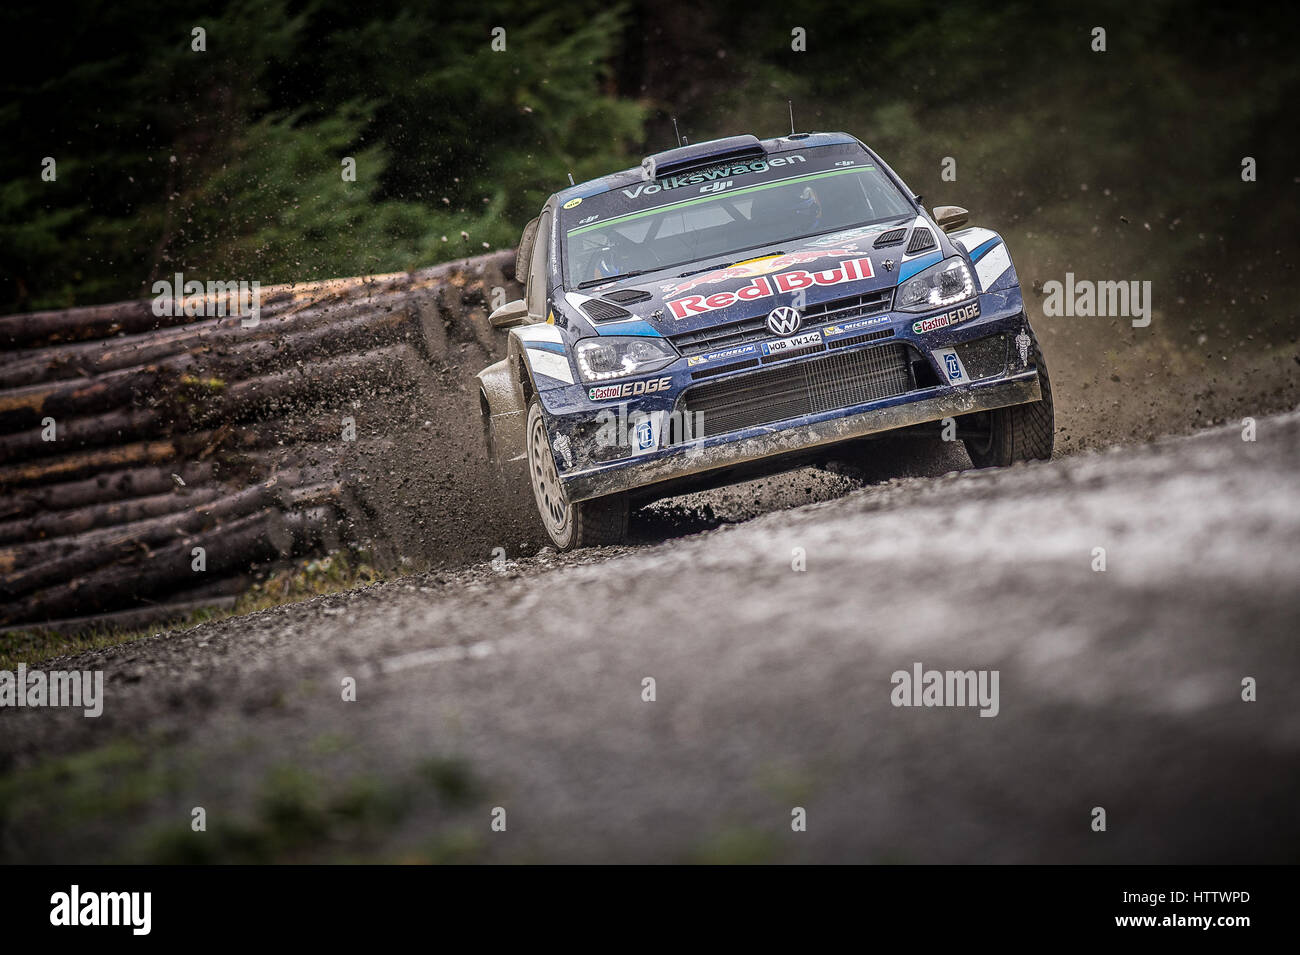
pixel 593 523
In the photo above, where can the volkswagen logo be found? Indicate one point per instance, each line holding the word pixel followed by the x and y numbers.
pixel 784 320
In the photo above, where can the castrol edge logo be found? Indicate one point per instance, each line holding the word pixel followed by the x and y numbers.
pixel 765 286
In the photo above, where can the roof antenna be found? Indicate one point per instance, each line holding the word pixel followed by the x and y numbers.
pixel 570 178
pixel 790 103
pixel 675 132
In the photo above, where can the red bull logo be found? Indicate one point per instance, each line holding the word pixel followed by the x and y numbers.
pixel 765 266
pixel 765 286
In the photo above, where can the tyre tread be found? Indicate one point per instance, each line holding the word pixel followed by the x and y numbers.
pixel 601 522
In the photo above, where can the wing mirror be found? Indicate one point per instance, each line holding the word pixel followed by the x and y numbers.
pixel 948 218
pixel 510 314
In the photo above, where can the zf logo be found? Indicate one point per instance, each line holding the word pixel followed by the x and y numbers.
pixel 954 366
pixel 645 436
pixel 717 186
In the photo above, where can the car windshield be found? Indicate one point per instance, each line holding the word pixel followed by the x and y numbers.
pixel 729 208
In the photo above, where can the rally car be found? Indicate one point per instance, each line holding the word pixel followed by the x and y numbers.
pixel 739 306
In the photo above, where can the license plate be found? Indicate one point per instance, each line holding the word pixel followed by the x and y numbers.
pixel 784 346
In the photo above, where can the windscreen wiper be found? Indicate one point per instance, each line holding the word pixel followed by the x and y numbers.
pixel 614 278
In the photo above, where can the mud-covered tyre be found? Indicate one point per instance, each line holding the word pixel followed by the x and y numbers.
pixel 1020 432
pixel 593 523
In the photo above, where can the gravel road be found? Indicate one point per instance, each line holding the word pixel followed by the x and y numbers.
pixel 516 692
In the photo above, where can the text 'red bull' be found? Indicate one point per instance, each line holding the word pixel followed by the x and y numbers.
pixel 766 286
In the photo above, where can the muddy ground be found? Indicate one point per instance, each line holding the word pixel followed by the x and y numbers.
pixel 521 688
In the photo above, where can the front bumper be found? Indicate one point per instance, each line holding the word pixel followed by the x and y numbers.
pixel 801 435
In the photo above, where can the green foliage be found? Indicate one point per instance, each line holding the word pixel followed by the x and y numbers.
pixel 1119 164
pixel 227 163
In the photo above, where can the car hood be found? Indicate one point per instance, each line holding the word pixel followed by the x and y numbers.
pixel 823 268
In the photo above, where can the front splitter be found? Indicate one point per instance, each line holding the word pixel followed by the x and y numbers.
pixel 797 436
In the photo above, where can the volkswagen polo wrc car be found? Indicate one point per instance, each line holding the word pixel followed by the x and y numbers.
pixel 737 307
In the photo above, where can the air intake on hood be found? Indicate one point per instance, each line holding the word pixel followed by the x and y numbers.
pixel 599 311
pixel 922 239
pixel 892 237
pixel 626 296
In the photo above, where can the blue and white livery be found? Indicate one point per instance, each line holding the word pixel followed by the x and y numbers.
pixel 740 306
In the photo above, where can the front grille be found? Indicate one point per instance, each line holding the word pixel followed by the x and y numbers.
pixel 861 339
pixel 755 329
pixel 847 309
pixel 724 369
pixel 788 391
pixel 722 336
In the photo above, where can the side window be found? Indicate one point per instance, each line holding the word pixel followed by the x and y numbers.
pixel 538 273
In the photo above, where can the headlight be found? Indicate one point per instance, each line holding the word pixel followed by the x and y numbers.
pixel 941 285
pixel 613 357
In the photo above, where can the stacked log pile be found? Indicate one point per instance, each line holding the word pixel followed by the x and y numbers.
pixel 150 464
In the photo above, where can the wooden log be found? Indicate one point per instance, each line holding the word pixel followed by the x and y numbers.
pixel 116 515
pixel 79 464
pixel 342 375
pixel 26 407
pixel 97 548
pixel 95 321
pixel 229 549
pixel 101 321
pixel 96 430
pixel 202 337
pixel 310 495
pixel 71 360
pixel 205 381
pixel 369 330
pixel 109 487
pixel 86 359
pixel 55 524
pixel 211 401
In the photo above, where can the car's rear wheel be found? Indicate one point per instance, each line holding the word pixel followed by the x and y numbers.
pixel 1019 433
pixel 569 525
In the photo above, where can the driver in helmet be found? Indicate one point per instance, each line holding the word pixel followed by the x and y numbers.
pixel 611 260
pixel 807 211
